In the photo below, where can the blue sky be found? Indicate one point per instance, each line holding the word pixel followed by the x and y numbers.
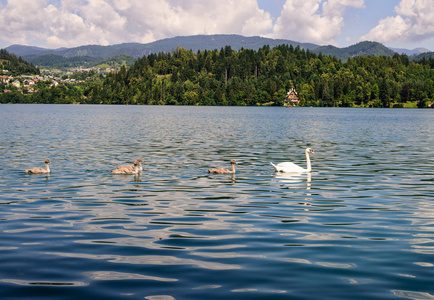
pixel 59 23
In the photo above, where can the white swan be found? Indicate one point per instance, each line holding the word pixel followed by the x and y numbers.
pixel 223 170
pixel 289 167
pixel 128 170
pixel 40 170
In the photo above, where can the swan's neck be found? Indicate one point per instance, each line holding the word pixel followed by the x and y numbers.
pixel 309 167
pixel 48 168
pixel 233 168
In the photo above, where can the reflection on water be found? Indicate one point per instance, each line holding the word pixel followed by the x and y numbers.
pixel 359 226
pixel 294 178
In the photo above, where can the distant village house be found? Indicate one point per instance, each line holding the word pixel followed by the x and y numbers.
pixel 4 79
pixel 16 84
pixel 28 82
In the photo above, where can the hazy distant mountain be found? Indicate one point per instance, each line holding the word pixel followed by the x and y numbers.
pixel 360 49
pixel 411 52
pixel 426 55
pixel 211 42
pixel 61 62
pixel 195 43
pixel 20 50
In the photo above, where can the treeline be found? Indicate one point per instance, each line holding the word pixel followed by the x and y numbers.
pixel 15 65
pixel 60 62
pixel 248 77
pixel 245 77
pixel 64 63
pixel 46 94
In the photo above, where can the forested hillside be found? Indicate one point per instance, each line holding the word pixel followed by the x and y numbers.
pixel 359 49
pixel 194 43
pixel 248 77
pixel 15 65
pixel 423 56
pixel 60 62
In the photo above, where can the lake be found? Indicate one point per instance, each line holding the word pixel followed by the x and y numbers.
pixel 359 226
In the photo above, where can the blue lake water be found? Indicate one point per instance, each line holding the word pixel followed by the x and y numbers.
pixel 360 226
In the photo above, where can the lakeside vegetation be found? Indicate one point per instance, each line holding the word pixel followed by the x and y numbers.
pixel 249 77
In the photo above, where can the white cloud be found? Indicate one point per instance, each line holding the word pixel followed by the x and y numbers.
pixel 315 21
pixel 414 22
pixel 14 22
pixel 160 19
pixel 79 22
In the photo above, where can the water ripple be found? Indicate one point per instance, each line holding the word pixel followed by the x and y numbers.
pixel 359 226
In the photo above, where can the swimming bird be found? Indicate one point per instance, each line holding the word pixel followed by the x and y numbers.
pixel 132 167
pixel 40 170
pixel 289 167
pixel 128 170
pixel 223 170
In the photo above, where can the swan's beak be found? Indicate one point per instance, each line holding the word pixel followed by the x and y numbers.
pixel 311 151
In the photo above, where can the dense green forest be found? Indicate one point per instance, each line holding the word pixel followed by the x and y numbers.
pixel 248 77
pixel 60 62
pixel 15 65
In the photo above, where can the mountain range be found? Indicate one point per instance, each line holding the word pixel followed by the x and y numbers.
pixel 92 53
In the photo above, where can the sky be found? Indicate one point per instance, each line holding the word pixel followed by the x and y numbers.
pixel 69 23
